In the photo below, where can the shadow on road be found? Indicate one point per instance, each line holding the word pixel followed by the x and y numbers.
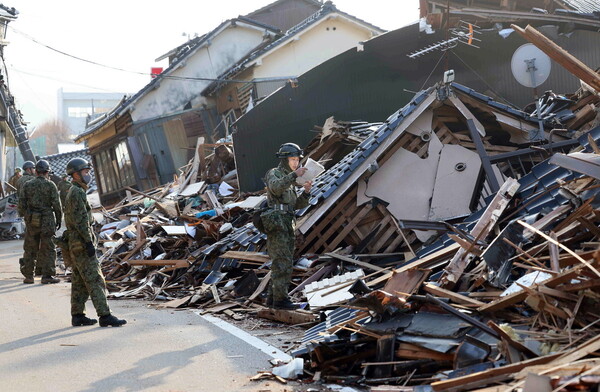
pixel 14 286
pixel 42 338
pixel 151 371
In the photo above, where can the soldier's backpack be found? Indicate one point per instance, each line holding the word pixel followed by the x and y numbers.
pixel 256 219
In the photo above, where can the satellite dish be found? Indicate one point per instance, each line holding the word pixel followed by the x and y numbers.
pixel 530 66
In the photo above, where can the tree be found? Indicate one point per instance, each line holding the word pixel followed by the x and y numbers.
pixel 54 132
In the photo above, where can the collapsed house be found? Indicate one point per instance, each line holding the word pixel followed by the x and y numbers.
pixel 437 159
pixel 396 309
pixel 374 79
pixel 452 247
pixel 211 80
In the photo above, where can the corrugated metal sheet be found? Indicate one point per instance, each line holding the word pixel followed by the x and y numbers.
pixel 373 83
pixel 588 6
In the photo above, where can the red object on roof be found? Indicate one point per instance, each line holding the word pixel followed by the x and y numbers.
pixel 154 71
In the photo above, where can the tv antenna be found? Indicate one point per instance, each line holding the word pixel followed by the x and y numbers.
pixel 531 67
pixel 465 33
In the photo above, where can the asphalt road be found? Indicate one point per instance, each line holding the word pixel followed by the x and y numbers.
pixel 158 350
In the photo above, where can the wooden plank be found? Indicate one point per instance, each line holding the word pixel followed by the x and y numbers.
pixel 251 256
pixel 458 298
pixel 485 376
pixel 406 282
pixel 520 296
pixel 484 225
pixel 560 245
pixel 193 175
pixel 412 351
pixel 357 262
pixel 466 245
pixel 554 253
pixel 587 284
pixel 386 233
pixel 316 231
pixel 176 263
pixel 364 210
pixel 466 113
pixel 221 307
pixel 579 352
pixel 261 287
pixel 136 248
pixel 424 262
pixel 287 316
pixel 516 344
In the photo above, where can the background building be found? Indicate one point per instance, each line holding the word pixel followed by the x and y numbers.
pixel 75 107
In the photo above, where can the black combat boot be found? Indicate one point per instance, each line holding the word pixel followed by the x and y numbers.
pixel 28 280
pixel 50 280
pixel 77 320
pixel 111 321
pixel 285 304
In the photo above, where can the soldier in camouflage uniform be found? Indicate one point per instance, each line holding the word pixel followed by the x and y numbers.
pixel 63 242
pixel 87 279
pixel 15 177
pixel 63 188
pixel 39 204
pixel 279 220
pixel 28 174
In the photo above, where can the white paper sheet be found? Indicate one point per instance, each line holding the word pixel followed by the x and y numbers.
pixel 314 168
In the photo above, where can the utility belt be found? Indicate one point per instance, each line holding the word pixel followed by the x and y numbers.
pixel 36 216
pixel 282 207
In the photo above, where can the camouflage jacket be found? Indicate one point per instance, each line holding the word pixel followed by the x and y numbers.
pixel 78 214
pixel 21 181
pixel 63 189
pixel 13 181
pixel 40 196
pixel 281 182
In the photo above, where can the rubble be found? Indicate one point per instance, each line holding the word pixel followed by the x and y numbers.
pixel 442 250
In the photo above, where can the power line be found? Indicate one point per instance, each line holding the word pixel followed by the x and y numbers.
pixel 173 77
pixel 58 80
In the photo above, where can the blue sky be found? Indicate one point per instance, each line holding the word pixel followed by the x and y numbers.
pixel 128 35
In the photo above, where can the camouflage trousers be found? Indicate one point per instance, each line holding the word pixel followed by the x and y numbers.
pixel 39 253
pixel 87 281
pixel 280 247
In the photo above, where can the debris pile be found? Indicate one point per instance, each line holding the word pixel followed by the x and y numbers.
pixel 513 286
pixel 444 249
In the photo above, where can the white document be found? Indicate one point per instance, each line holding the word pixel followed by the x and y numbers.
pixel 314 168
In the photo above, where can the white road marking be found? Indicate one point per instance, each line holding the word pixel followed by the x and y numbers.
pixel 263 346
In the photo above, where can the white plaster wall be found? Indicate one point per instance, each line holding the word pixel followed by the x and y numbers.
pixel 313 47
pixel 227 48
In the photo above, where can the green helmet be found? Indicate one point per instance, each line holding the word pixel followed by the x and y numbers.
pixel 28 165
pixel 77 164
pixel 42 166
pixel 289 150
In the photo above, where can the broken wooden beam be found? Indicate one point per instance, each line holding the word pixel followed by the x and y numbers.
pixel 160 263
pixel 292 317
pixel 484 225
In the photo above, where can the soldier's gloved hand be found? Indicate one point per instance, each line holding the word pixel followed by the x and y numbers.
pixel 90 249
pixel 300 171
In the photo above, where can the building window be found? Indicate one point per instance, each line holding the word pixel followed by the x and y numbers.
pixel 115 170
pixel 78 112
